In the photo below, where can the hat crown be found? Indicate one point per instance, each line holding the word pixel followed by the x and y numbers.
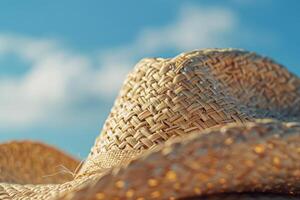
pixel 165 98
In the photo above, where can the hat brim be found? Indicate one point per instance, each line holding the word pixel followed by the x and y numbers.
pixel 29 162
pixel 262 156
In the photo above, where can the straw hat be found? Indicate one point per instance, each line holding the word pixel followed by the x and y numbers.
pixel 213 123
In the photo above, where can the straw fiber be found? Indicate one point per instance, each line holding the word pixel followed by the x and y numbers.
pixel 34 163
pixel 207 124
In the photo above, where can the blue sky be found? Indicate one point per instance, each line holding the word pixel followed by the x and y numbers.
pixel 62 62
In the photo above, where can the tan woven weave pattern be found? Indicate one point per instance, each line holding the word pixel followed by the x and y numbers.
pixel 210 124
pixel 163 98
pixel 194 91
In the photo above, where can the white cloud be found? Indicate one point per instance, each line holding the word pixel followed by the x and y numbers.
pixel 195 27
pixel 58 78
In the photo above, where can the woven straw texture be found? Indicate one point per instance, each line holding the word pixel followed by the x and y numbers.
pixel 193 125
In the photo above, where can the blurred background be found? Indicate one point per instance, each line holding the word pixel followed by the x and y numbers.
pixel 62 62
